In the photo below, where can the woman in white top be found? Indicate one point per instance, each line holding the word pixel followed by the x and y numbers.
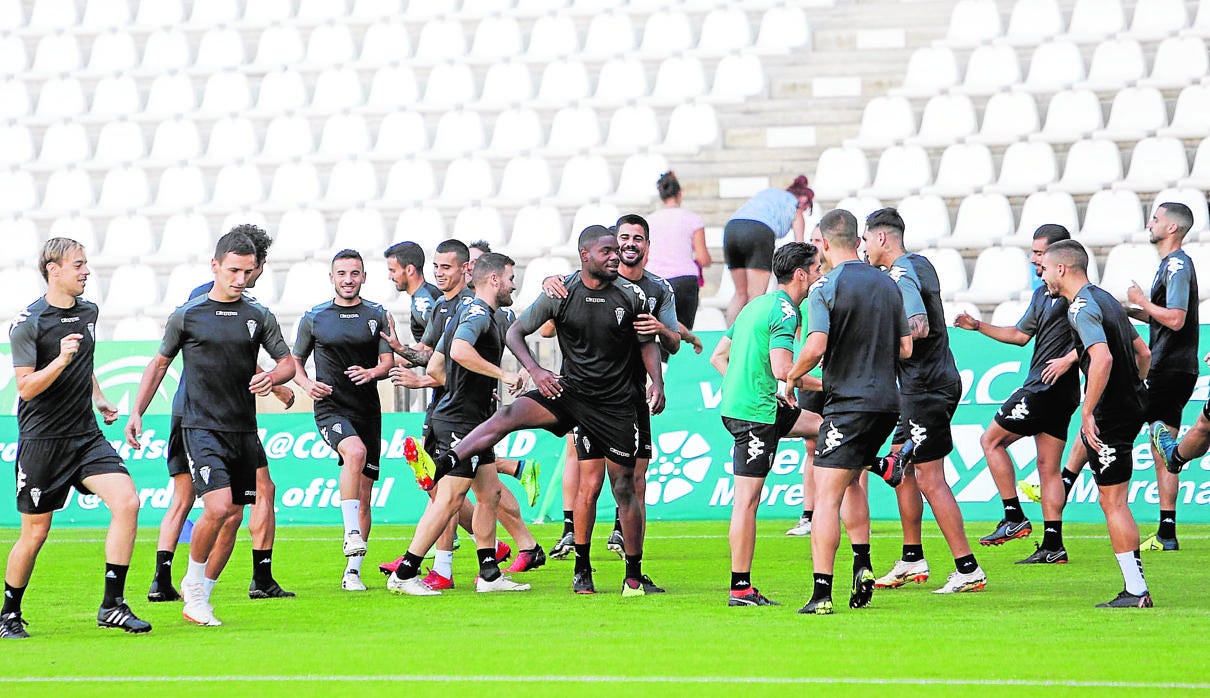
pixel 678 248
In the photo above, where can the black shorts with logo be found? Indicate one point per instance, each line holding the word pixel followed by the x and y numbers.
pixel 925 419
pixel 447 435
pixel 811 400
pixel 219 459
pixel 47 469
pixel 1166 397
pixel 1114 464
pixel 850 440
pixel 1027 413
pixel 335 429
pixel 603 430
pixel 642 419
pixel 178 464
pixel 756 442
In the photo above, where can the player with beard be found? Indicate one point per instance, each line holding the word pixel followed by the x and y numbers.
pixel 1114 361
pixel 59 443
pixel 1041 408
pixel 473 352
pixel 350 358
pixel 596 332
pixel 405 266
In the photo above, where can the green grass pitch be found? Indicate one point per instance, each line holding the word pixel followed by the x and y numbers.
pixel 1034 631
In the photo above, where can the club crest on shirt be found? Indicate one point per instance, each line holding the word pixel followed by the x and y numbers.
pixel 619 313
pixel 92 331
pixel 251 324
pixel 373 327
pixel 650 304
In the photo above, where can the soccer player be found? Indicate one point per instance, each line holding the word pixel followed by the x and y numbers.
pixel 596 332
pixel 473 352
pixel 930 388
pixel 350 357
pixel 756 352
pixel 405 266
pixel 1114 361
pixel 60 445
pixel 1170 310
pixel 1040 408
pixel 262 522
pixel 449 271
pixel 857 327
pixel 219 335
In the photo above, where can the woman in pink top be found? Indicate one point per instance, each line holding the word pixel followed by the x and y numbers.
pixel 678 248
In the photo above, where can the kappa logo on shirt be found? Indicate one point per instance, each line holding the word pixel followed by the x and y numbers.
pixel 251 325
pixel 1077 305
pixel 818 283
pixel 1175 264
pixel 896 273
pixel 787 310
pixel 475 311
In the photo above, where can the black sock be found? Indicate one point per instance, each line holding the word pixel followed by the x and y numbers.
pixel 262 566
pixel 1069 481
pixel 966 564
pixel 807 514
pixel 568 522
pixel 741 581
pixel 1177 460
pixel 861 556
pixel 913 553
pixel 879 467
pixel 115 584
pixel 444 463
pixel 1012 510
pixel 1167 523
pixel 163 567
pixel 489 568
pixel 520 469
pixel 634 566
pixel 12 598
pixel 823 587
pixel 409 566
pixel 583 563
pixel 617 519
pixel 1052 535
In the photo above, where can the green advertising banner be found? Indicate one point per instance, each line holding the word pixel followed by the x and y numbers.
pixel 690 476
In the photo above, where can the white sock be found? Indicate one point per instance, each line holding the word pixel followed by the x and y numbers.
pixel 353 564
pixel 196 573
pixel 209 586
pixel 443 563
pixel 1132 573
pixel 349 509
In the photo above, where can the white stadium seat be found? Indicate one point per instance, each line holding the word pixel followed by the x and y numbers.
pixel 918 212
pixel 1156 19
pixel 632 128
pixel 724 31
pixel 219 48
pixel 516 130
pixel 115 96
pixel 344 135
pixel 841 172
pixel 20 192
pixel 1112 215
pixel 393 88
pixel 1070 116
pixel 1055 65
pixel 479 223
pixel 22 243
pixel 175 140
pixel 294 184
pixel 946 119
pixel 53 14
pixel 16 144
pixel 279 45
pixel 301 232
pixel 14 99
pixel 1007 118
pixel 113 52
pixel 1000 274
pixel 506 84
pixel 1178 62
pixel 929 72
pixel 449 85
pixel 973 22
pixel 337 89
pixel 1041 208
pixel 1026 168
pixel 185 238
pixel 18 285
pixel 127 239
pixel 636 182
pixel 925 217
pixel 1136 112
pixel 409 181
pixel 563 82
pixel 1034 21
pixel 1092 165
pixel 124 189
pixel 180 187
pixel 167 49
pixel 226 92
pixel 573 129
pixel 268 12
pixel 351 182
pixel 66 191
pixel 57 53
pixel 400 134
pixel 884 122
pixel 991 68
pixel 690 128
pixel 737 78
pixel 65 143
pixel 459 132
pixel 1199 173
pixel 609 34
pixel 467 179
pixel 622 79
pixel 1156 163
pixel 584 178
pixel 525 179
pixel 237 186
pixel 62 98
pixel 496 38
pixel 983 220
pixel 281 91
pixel 137 328
pixel 422 225
pixel 552 36
pixel 385 42
pixel 440 40
pixel 1115 63
pixel 1094 19
pixel 159 13
pixel 287 137
pixel 1127 264
pixel 361 229
pixel 964 169
pixel 1189 116
pixel 665 33
pixel 951 270
pixel 679 79
pixel 536 229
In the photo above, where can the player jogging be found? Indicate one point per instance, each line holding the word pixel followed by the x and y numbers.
pixel 350 357
pixel 219 335
pixel 60 445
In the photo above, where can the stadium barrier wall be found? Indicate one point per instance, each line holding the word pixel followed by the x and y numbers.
pixel 689 478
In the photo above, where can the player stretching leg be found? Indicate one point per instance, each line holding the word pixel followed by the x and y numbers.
pixel 59 443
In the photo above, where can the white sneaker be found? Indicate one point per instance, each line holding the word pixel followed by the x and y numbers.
pixel 354 544
pixel 197 608
pixel 902 573
pixel 352 581
pixel 502 583
pixel 802 528
pixel 958 582
pixel 412 586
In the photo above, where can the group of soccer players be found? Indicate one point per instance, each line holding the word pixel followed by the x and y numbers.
pixel 852 301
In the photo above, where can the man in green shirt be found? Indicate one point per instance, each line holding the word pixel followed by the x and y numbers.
pixel 754 357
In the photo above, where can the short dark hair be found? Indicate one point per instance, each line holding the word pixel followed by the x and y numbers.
pixel 234 242
pixel 260 239
pixel 1069 253
pixel 348 254
pixel 406 253
pixel 461 252
pixel 54 251
pixel 886 218
pixel 634 219
pixel 1052 233
pixel 839 227
pixel 490 263
pixel 593 233
pixel 791 256
pixel 668 186
pixel 1180 214
pixel 482 245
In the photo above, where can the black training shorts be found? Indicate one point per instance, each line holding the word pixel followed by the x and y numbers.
pixel 1027 413
pixel 1113 464
pixel 850 440
pixel 1166 397
pixel 447 435
pixel 603 430
pixel 219 459
pixel 756 442
pixel 925 419
pixel 47 469
pixel 336 429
